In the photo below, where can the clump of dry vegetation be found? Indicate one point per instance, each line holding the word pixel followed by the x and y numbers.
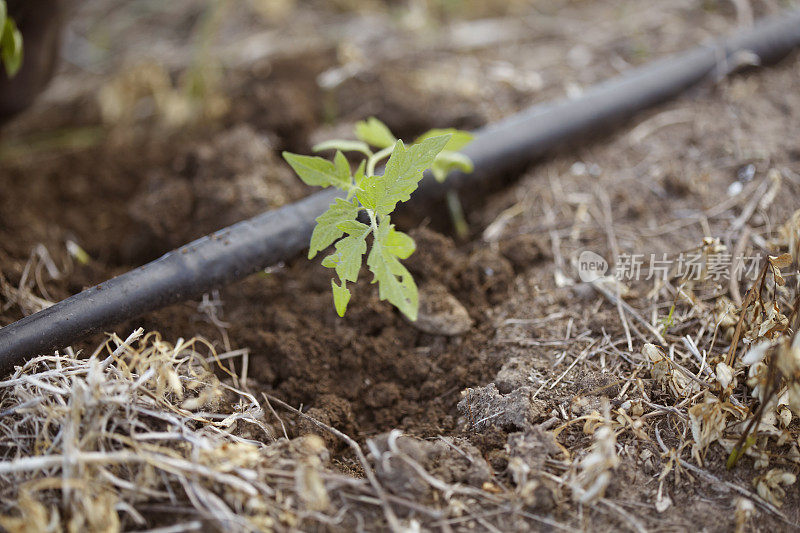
pixel 746 396
pixel 91 444
pixel 735 381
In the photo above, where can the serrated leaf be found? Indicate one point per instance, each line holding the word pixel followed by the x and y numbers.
pixel 448 161
pixel 375 133
pixel 399 244
pixel 11 47
pixel 395 282
pixel 353 227
pixel 458 140
pixel 401 176
pixel 326 230
pixel 359 174
pixel 319 172
pixel 344 146
pixel 346 260
pixel 341 297
pixel 341 166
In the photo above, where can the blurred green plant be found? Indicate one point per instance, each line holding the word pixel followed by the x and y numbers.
pixel 377 195
pixel 10 42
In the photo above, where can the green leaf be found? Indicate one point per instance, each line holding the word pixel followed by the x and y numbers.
pixel 399 244
pixel 448 161
pixel 341 297
pixel 353 227
pixel 347 257
pixel 326 230
pixel 359 174
pixel 344 146
pixel 458 140
pixel 3 14
pixel 395 282
pixel 401 176
pixel 11 47
pixel 342 166
pixel 318 171
pixel 375 133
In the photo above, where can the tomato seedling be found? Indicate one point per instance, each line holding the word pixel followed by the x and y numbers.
pixel 10 42
pixel 377 195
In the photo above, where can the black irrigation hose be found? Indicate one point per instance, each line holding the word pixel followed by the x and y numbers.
pixel 279 235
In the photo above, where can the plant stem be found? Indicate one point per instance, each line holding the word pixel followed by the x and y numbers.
pixel 373 221
pixel 457 215
pixel 351 191
pixel 376 157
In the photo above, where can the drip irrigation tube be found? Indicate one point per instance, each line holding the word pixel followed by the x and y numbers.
pixel 280 234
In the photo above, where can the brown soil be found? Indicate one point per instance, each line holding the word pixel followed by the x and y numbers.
pixel 136 192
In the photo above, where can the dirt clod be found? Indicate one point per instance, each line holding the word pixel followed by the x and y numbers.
pixel 485 406
pixel 400 460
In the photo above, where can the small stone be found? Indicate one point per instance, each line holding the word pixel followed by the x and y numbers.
pixel 440 313
pixel 663 502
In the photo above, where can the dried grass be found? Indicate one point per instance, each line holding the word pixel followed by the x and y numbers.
pixel 103 443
